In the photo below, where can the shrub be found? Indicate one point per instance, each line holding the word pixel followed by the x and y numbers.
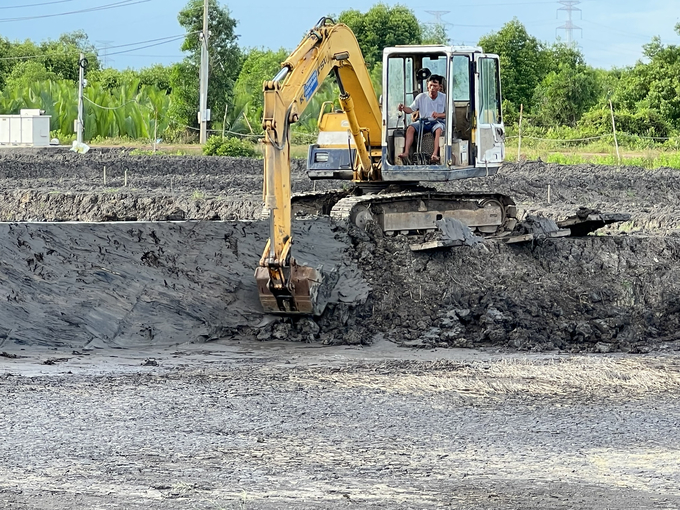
pixel 235 147
pixel 645 122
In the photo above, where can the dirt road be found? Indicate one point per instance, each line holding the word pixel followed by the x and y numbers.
pixel 279 425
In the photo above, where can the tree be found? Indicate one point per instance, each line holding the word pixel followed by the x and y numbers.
pixel 27 72
pixel 380 27
pixel 13 53
pixel 61 56
pixel 565 95
pixel 157 76
pixel 654 85
pixel 224 66
pixel 434 34
pixel 524 61
pixel 562 54
pixel 245 111
pixel 568 90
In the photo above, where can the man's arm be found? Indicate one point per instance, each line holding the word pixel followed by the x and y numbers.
pixel 404 108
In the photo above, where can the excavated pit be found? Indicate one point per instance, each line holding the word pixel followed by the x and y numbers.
pixel 110 249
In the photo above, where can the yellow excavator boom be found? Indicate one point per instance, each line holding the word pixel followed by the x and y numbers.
pixel 284 286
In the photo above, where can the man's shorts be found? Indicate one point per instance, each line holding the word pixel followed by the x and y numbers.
pixel 430 125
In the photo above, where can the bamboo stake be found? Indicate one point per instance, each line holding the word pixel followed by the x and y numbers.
pixel 519 143
pixel 125 178
pixel 104 176
pixel 155 137
pixel 616 142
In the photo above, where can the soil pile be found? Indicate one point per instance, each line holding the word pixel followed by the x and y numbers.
pixel 127 283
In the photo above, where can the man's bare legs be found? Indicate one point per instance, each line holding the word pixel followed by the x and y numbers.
pixel 435 154
pixel 410 134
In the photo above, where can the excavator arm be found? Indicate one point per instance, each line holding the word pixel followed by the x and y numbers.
pixel 285 286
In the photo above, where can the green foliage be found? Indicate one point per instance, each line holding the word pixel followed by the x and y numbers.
pixel 56 59
pixel 62 55
pixel 245 112
pixel 224 67
pixel 434 34
pixel 644 122
pixel 564 95
pixel 380 27
pixel 510 113
pixel 654 85
pixel 130 110
pixel 259 65
pixel 524 62
pixel 27 72
pixel 234 147
pixel 560 55
pixel 157 76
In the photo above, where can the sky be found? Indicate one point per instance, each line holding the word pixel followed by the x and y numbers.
pixel 611 34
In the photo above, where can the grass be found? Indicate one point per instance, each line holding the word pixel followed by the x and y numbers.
pixel 166 152
pixel 647 159
pixel 633 151
pixel 599 152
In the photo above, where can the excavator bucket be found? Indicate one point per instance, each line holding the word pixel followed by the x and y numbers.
pixel 300 296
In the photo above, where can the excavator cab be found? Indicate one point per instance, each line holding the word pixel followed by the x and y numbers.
pixel 472 143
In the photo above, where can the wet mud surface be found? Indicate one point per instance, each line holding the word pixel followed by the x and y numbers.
pixel 138 371
pixel 279 425
pixel 126 283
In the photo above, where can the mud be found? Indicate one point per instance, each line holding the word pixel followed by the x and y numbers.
pixel 209 403
pixel 275 425
pixel 126 283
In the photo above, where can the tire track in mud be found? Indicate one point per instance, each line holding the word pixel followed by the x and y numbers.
pixel 71 284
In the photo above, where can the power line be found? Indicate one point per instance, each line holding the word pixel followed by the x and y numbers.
pixel 147 46
pixel 162 40
pixel 123 3
pixel 624 32
pixel 166 39
pixel 34 5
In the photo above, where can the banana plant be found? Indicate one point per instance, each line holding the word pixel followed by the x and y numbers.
pixel 130 110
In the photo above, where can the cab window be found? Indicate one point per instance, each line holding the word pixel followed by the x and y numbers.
pixel 490 92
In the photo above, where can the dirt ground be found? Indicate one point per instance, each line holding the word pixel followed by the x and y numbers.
pixel 272 425
pixel 138 371
pixel 131 282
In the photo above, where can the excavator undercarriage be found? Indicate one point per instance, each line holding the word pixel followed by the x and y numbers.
pixel 421 213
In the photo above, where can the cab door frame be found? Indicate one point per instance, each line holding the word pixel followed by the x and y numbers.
pixel 490 130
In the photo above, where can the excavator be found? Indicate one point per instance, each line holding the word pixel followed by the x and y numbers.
pixel 362 142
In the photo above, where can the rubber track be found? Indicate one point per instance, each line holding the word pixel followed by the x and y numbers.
pixel 342 210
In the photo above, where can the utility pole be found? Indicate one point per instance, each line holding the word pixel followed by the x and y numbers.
pixel 204 113
pixel 82 62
